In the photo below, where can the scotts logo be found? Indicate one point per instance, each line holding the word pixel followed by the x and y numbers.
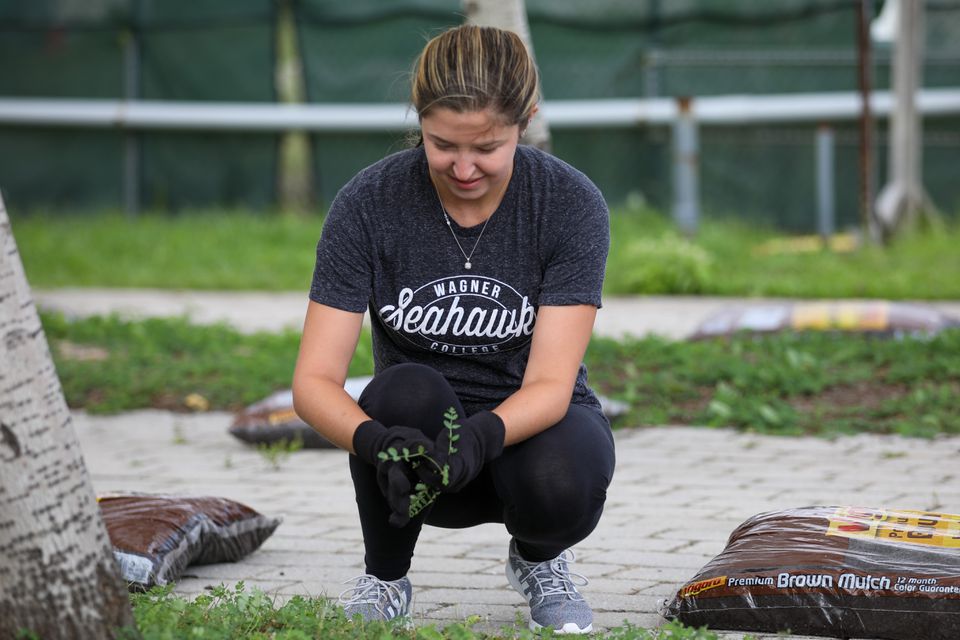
pixel 700 586
pixel 462 315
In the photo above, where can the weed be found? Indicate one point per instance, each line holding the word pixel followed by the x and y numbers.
pixel 237 614
pixel 179 437
pixel 892 455
pixel 423 495
pixel 276 453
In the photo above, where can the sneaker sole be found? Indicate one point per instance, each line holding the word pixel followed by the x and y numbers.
pixel 570 628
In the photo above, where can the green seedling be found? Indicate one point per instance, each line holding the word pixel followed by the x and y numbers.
pixel 179 437
pixel 423 495
pixel 277 452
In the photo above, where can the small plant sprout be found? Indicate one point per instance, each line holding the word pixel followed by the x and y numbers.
pixel 423 496
pixel 179 437
pixel 277 452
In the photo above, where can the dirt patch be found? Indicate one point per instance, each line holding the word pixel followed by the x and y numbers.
pixel 80 352
pixel 866 395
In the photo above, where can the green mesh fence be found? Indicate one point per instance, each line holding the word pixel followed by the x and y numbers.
pixel 196 50
pixel 49 50
pixel 362 51
pixel 208 51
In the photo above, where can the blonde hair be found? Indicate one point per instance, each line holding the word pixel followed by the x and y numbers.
pixel 471 68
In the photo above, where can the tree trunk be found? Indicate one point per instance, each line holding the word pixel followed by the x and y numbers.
pixel 58 577
pixel 511 15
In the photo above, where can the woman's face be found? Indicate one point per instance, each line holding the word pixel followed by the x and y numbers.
pixel 470 155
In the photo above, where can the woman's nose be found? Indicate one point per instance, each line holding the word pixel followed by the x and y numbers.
pixel 463 167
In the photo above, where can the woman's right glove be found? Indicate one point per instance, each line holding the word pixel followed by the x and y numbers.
pixel 395 479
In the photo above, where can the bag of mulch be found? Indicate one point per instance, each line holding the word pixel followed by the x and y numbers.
pixel 873 317
pixel 842 572
pixel 273 419
pixel 155 537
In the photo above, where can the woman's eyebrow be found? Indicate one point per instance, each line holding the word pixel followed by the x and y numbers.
pixel 486 143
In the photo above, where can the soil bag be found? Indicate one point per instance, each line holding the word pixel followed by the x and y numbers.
pixel 274 420
pixel 842 572
pixel 155 537
pixel 875 317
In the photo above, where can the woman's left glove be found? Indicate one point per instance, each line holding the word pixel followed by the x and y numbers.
pixel 477 441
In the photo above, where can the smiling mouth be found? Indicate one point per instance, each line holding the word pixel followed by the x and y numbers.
pixel 466 184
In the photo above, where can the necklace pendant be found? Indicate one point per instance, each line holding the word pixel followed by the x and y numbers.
pixel 467 264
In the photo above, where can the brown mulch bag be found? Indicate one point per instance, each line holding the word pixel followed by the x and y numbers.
pixel 273 419
pixel 155 537
pixel 874 317
pixel 842 572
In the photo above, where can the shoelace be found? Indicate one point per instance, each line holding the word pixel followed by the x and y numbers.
pixel 368 590
pixel 554 578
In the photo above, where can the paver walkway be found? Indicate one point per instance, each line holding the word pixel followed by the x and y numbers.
pixel 677 494
pixel 668 316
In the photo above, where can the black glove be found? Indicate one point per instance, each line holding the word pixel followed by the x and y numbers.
pixel 397 484
pixel 478 440
pixel 396 479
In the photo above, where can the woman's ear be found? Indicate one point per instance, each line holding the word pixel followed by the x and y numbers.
pixel 526 123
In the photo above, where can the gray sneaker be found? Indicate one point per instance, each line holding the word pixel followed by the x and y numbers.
pixel 550 589
pixel 376 599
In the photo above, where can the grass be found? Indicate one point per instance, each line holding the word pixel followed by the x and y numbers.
pixel 239 250
pixel 236 614
pixel 791 384
pixel 197 250
pixel 787 384
pixel 729 258
pixel 107 364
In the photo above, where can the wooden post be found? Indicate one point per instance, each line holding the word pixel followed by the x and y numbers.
pixel 904 198
pixel 511 15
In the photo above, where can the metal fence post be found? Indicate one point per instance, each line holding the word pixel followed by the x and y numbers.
pixel 686 205
pixel 825 186
pixel 131 138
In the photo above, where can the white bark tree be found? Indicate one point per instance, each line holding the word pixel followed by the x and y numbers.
pixel 511 15
pixel 58 577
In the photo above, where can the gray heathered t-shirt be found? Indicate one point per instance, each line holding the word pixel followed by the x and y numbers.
pixel 385 246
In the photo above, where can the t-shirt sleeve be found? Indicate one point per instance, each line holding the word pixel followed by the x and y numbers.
pixel 343 274
pixel 574 268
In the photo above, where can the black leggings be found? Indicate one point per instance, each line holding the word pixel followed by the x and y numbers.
pixel 548 490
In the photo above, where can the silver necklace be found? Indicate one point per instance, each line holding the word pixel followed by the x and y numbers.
pixel 467 264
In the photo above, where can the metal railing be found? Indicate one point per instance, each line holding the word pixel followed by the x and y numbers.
pixel 682 115
pixel 219 116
